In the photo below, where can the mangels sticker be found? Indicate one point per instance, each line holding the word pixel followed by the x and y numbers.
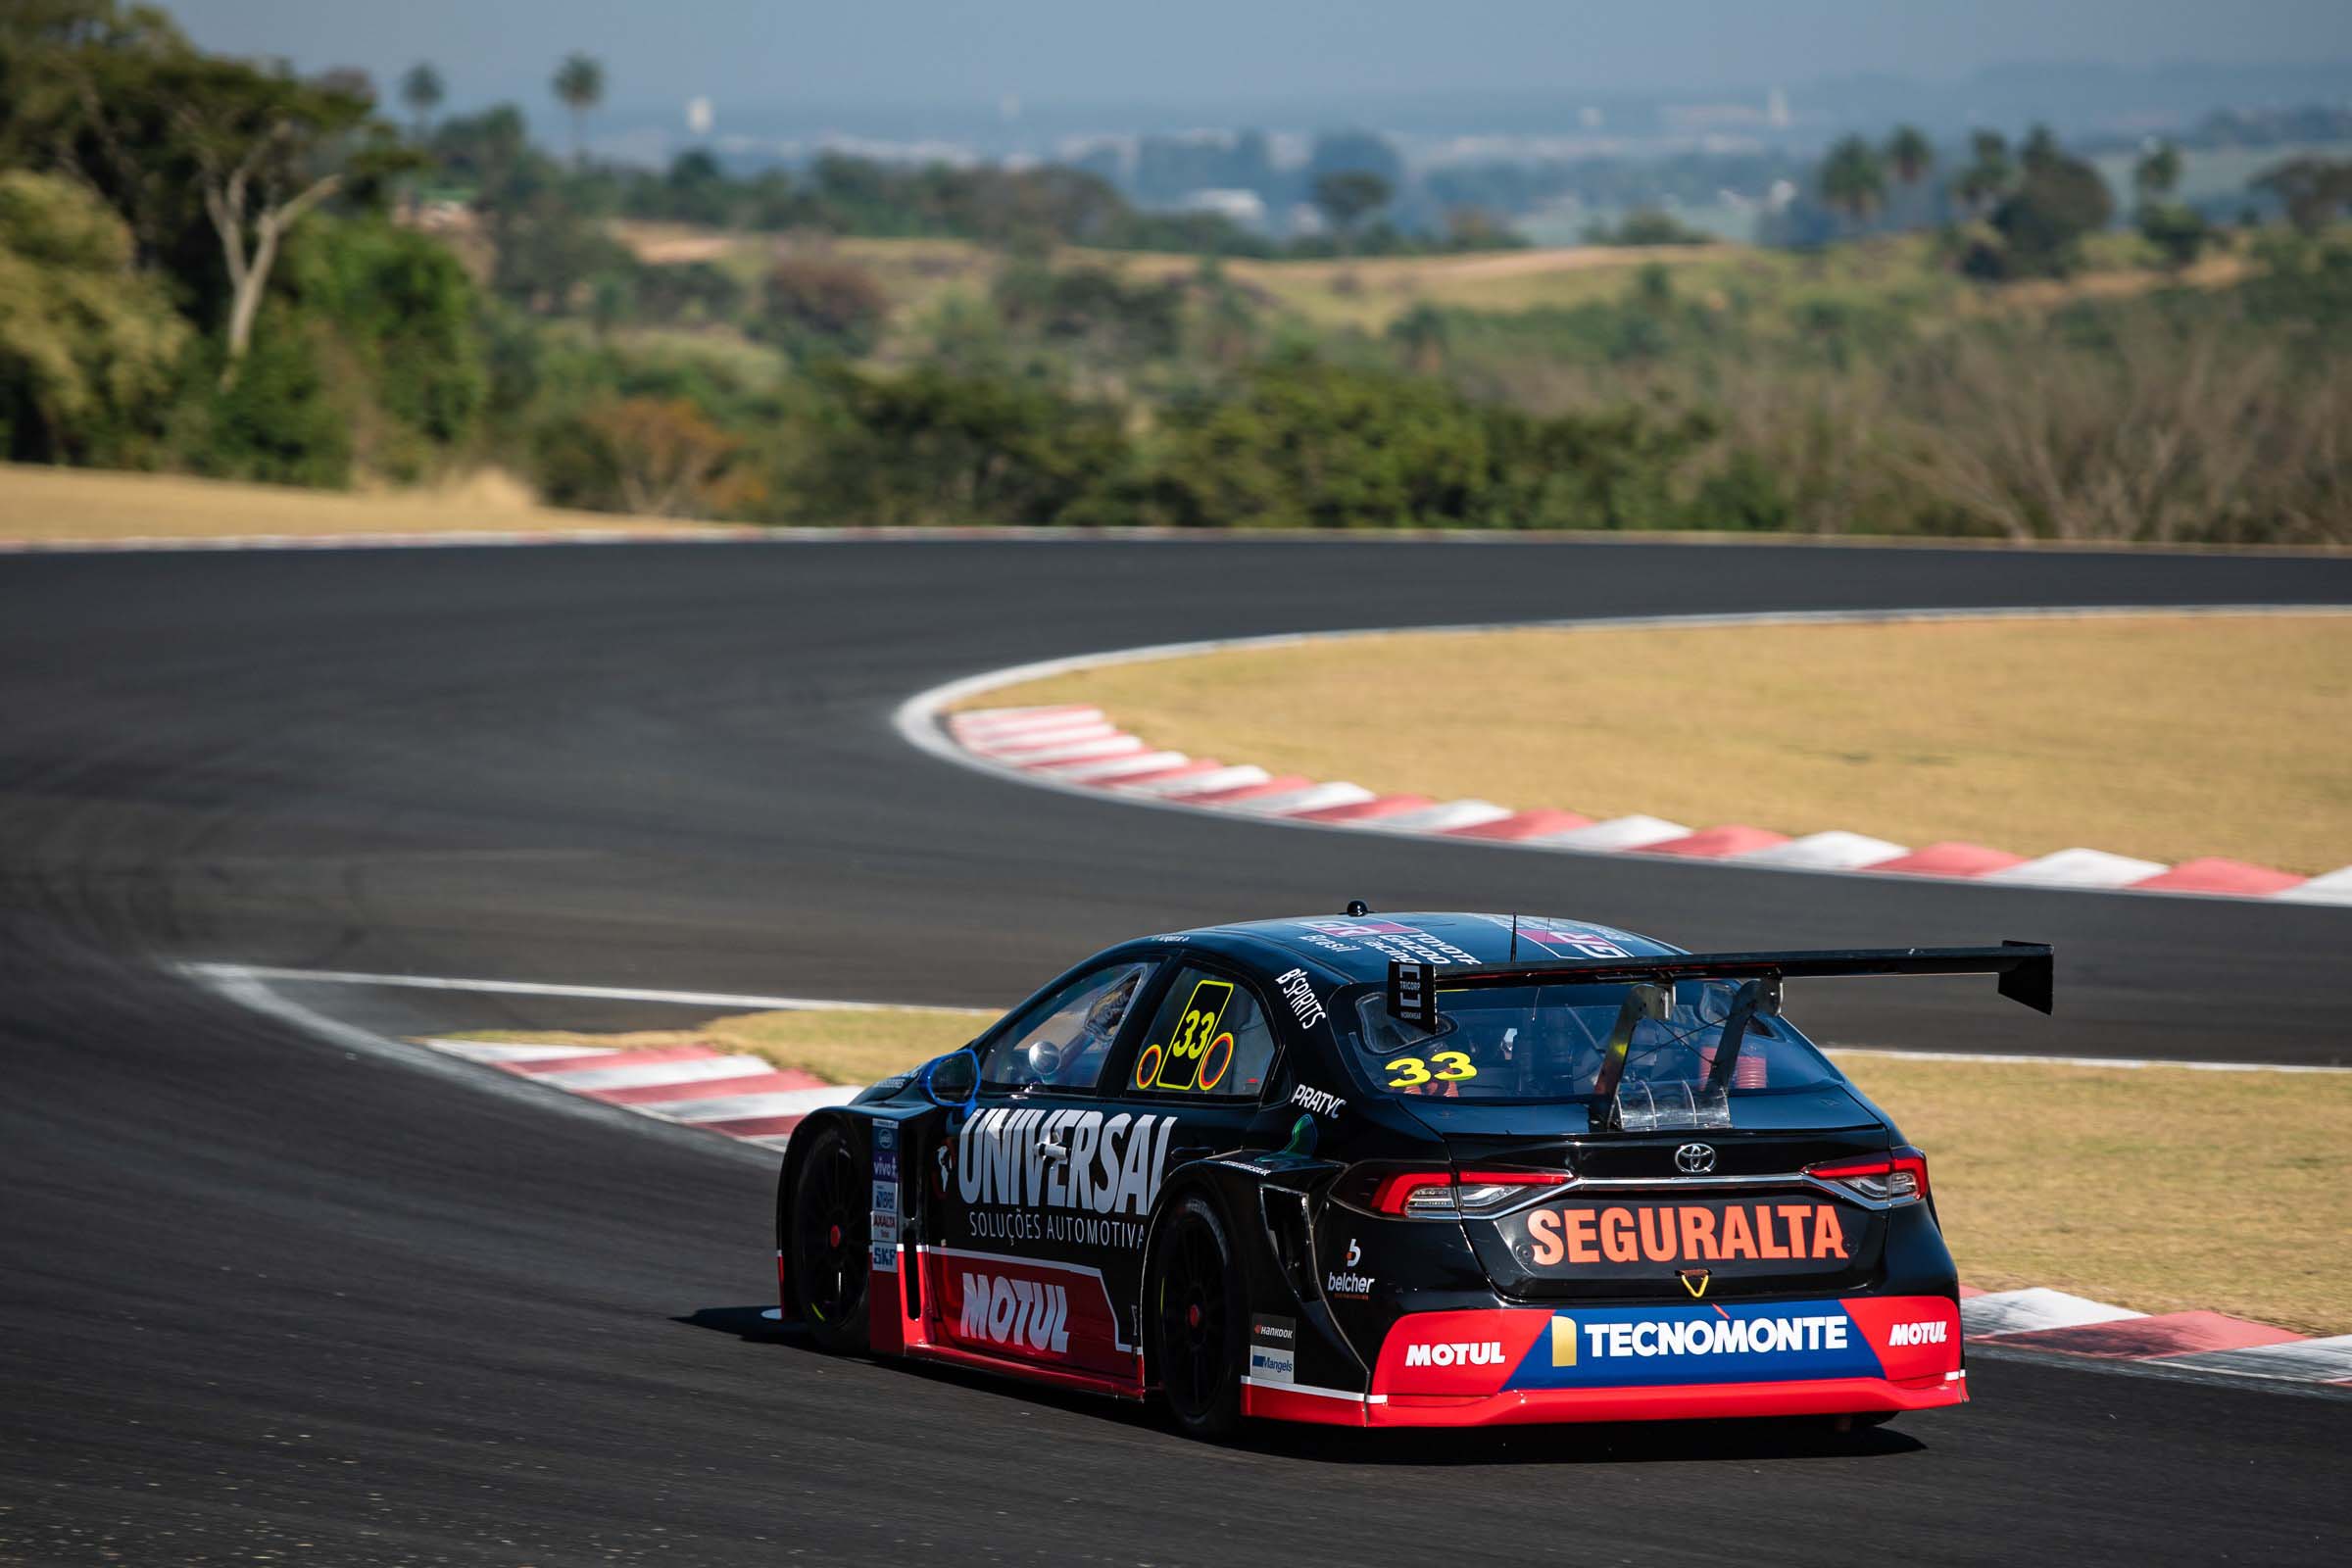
pixel 1099 1193
pixel 1273 1350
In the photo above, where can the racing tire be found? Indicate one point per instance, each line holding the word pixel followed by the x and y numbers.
pixel 830 1259
pixel 1199 1322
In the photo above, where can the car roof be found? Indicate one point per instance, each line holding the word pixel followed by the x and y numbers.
pixel 1357 948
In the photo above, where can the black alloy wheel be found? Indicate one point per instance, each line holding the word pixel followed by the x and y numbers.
pixel 1198 1321
pixel 830 1257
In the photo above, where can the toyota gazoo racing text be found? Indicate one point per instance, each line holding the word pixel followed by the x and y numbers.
pixel 1398 1170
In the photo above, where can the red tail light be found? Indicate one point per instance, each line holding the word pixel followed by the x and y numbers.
pixel 1440 1195
pixel 1898 1176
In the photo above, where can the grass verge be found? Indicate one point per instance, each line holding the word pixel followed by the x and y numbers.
pixel 2030 735
pixel 79 503
pixel 2160 1189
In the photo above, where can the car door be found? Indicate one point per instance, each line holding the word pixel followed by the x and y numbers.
pixel 1032 1183
pixel 1199 1075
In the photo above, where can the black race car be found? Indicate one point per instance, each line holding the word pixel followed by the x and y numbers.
pixel 1398 1170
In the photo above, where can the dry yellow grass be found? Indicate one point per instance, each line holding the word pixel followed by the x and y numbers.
pixel 70 504
pixel 2158 1188
pixel 2167 737
pixel 2155 1187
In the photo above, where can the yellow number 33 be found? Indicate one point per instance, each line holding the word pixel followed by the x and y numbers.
pixel 1452 1068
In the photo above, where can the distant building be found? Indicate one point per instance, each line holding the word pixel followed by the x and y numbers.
pixel 1240 206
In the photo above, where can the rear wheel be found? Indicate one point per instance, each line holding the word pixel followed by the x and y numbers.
pixel 830 1258
pixel 1198 1322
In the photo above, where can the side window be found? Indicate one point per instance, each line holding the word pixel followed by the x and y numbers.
pixel 1210 1037
pixel 1062 1039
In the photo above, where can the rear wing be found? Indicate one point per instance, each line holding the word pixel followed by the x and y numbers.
pixel 2025 971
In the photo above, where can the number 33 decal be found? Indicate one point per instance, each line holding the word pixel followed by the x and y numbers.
pixel 1413 1071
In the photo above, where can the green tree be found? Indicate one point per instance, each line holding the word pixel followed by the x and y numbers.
pixel 1346 196
pixel 935 447
pixel 2157 173
pixel 2041 150
pixel 2177 231
pixel 1989 171
pixel 812 305
pixel 2311 190
pixel 1854 179
pixel 579 86
pixel 1423 333
pixel 87 343
pixel 421 90
pixel 1910 154
pixel 2043 221
pixel 265 148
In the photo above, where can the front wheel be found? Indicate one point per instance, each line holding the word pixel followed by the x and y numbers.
pixel 1198 1321
pixel 830 1258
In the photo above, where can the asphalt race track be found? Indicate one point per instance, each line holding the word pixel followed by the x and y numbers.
pixel 270 1294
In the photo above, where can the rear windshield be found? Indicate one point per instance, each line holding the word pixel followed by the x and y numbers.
pixel 1546 1042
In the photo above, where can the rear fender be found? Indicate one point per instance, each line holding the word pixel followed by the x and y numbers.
pixel 1259 1196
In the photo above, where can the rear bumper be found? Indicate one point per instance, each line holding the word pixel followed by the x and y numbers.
pixel 1513 1365
pixel 1538 1406
pixel 1692 1402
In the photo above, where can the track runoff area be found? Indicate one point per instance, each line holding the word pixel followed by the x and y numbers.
pixel 747 1097
pixel 316 1269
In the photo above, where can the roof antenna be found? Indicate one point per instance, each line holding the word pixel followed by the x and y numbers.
pixel 1514 957
pixel 1356 907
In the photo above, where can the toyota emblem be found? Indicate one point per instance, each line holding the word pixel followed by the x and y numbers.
pixel 1694 1159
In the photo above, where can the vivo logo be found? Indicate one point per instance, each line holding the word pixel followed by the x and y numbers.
pixel 1488 1352
pixel 1016 1312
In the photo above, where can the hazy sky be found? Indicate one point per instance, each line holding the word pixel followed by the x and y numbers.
pixel 1105 52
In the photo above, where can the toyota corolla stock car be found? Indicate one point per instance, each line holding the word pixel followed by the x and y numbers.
pixel 1398 1170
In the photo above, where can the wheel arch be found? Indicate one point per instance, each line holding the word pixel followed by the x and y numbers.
pixel 796 1156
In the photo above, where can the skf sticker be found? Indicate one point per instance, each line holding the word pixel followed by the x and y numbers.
pixel 883 1219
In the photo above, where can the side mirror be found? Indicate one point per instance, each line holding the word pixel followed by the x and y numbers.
pixel 952 1081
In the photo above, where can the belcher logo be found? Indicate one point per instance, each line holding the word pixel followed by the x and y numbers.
pixel 1486 1353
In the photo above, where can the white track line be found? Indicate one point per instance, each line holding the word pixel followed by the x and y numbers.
pixel 485 1051
pixel 646 1075
pixel 2076 1062
pixel 1443 818
pixel 2029 1310
pixel 536 988
pixel 737 1107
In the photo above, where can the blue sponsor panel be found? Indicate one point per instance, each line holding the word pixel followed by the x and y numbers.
pixel 1662 1345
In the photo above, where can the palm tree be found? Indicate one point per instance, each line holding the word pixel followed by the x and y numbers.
pixel 1988 171
pixel 2157 172
pixel 420 89
pixel 580 85
pixel 1909 154
pixel 1852 180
